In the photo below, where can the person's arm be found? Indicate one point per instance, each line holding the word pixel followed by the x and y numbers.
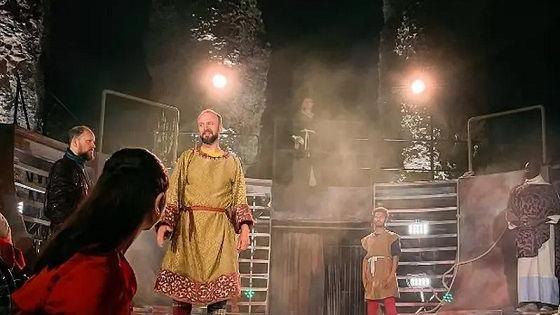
pixel 366 274
pixel 395 265
pixel 168 220
pixel 240 215
pixel 512 219
pixel 395 253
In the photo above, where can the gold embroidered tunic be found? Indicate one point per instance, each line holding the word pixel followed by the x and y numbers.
pixel 378 264
pixel 206 206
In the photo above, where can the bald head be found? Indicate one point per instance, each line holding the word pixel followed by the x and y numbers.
pixel 209 124
pixel 82 142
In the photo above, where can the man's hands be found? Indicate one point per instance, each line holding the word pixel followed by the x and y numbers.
pixel 243 241
pixel 389 280
pixel 164 232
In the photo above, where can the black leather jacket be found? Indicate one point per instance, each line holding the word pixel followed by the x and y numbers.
pixel 67 187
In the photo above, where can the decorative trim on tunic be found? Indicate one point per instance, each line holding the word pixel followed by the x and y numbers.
pixel 199 152
pixel 184 289
pixel 169 216
pixel 239 215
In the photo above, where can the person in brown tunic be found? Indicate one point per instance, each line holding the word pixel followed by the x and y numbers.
pixel 379 267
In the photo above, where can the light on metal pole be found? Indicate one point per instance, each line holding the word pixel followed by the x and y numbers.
pixel 219 81
pixel 418 86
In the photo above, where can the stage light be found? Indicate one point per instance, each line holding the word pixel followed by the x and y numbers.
pixel 20 207
pixel 249 293
pixel 418 281
pixel 219 81
pixel 447 297
pixel 418 86
pixel 418 228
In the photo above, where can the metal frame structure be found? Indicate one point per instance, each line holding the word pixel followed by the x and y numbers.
pixel 442 198
pixel 140 100
pixel 261 240
pixel 505 113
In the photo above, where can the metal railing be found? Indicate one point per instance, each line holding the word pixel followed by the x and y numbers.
pixel 162 106
pixel 505 113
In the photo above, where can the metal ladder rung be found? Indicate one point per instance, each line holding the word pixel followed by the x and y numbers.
pixel 255 261
pixel 257 303
pixel 257 289
pixel 413 237
pixel 426 263
pixel 259 207
pixel 259 234
pixel 260 247
pixel 428 249
pixel 408 222
pixel 422 210
pixel 427 276
pixel 254 276
pixel 417 197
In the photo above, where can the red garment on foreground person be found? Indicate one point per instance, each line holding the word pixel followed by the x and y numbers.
pixel 85 284
pixel 11 255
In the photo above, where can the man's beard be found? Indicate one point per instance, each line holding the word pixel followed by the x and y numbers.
pixel 88 155
pixel 379 225
pixel 208 139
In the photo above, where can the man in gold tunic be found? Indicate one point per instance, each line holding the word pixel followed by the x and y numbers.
pixel 379 267
pixel 206 208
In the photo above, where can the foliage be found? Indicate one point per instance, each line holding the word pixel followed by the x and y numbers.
pixel 21 31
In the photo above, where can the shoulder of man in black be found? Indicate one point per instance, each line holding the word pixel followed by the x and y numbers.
pixel 64 167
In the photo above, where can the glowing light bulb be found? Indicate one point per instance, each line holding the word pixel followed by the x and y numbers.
pixel 219 81
pixel 418 86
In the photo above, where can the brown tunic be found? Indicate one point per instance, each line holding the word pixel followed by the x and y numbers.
pixel 377 265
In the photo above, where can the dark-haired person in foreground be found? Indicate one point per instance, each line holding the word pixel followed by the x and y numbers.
pixel 68 183
pixel 83 269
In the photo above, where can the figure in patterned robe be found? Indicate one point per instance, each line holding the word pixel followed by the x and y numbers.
pixel 533 210
pixel 206 208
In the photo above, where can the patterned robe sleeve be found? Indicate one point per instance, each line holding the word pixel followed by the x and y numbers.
pixel 174 204
pixel 240 213
pixel 512 211
pixel 554 208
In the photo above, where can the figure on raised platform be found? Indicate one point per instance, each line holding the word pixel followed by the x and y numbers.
pixel 68 182
pixel 304 130
pixel 379 267
pixel 207 207
pixel 533 213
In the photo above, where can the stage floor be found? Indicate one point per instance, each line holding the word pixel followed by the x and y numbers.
pixel 166 310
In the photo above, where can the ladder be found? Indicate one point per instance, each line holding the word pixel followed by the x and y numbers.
pixel 254 263
pixel 424 214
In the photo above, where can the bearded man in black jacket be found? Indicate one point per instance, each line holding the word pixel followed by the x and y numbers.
pixel 68 182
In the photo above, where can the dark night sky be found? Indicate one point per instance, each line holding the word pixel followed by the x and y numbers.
pixel 509 59
pixel 506 52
